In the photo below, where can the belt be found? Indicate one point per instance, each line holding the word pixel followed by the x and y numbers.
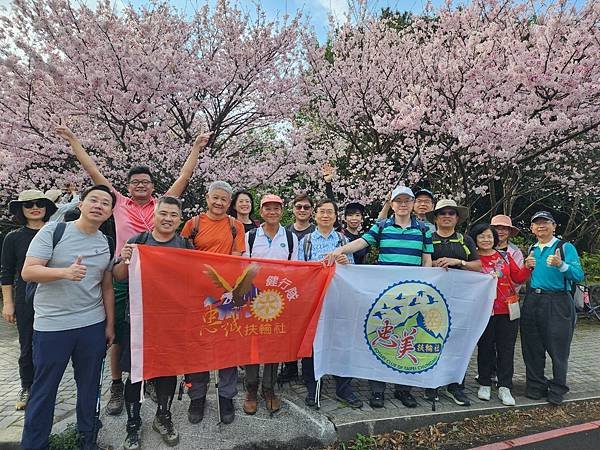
pixel 542 291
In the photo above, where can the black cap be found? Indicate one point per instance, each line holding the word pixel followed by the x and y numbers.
pixel 543 215
pixel 354 206
pixel 425 192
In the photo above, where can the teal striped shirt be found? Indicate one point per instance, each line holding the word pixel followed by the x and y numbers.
pixel 400 246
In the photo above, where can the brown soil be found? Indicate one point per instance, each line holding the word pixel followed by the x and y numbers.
pixel 475 431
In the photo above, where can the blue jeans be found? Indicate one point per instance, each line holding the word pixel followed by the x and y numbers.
pixel 52 350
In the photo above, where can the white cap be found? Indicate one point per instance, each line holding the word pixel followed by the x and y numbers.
pixel 400 190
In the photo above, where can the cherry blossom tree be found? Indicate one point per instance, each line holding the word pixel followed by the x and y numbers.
pixel 494 101
pixel 138 85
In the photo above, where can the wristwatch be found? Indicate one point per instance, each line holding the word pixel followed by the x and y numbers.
pixel 463 263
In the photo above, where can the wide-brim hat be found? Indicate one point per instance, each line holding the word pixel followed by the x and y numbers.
pixel 502 220
pixel 29 195
pixel 462 211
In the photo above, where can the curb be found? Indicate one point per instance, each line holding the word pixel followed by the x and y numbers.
pixel 348 431
pixel 539 437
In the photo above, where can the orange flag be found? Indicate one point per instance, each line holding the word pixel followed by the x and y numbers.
pixel 195 311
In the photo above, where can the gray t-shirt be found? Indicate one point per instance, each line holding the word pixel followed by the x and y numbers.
pixel 65 304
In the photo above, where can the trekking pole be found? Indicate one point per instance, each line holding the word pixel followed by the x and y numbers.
pixel 96 428
pixel 216 372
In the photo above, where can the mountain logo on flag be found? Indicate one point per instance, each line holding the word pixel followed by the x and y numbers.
pixel 407 326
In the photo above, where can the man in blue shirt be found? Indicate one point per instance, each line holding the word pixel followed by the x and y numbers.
pixel 314 247
pixel 548 313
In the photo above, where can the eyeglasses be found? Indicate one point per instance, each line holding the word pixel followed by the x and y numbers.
pixel 142 182
pixel 449 212
pixel 403 202
pixel 31 203
pixel 424 202
pixel 326 212
pixel 304 207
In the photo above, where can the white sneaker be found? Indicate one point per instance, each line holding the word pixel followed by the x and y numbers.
pixel 506 397
pixel 485 392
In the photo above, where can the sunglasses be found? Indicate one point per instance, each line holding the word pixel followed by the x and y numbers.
pixel 449 212
pixel 31 203
pixel 304 207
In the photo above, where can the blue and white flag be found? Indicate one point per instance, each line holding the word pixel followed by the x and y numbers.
pixel 404 325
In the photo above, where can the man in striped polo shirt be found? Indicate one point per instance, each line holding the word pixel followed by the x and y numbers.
pixel 402 241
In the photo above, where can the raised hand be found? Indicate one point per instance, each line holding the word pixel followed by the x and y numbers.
pixel 76 271
pixel 202 139
pixel 328 172
pixel 65 132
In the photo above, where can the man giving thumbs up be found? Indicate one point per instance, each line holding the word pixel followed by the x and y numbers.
pixel 548 312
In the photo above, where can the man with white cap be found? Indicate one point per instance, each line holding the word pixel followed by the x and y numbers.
pixel 402 241
pixel 452 249
pixel 548 313
pixel 271 241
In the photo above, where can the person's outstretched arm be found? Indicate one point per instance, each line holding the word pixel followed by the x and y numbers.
pixel 187 170
pixel 87 163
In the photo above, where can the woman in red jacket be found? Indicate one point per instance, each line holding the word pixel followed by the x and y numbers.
pixel 496 347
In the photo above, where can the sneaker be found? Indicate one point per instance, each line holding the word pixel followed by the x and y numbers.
pixel 22 399
pixel 406 398
pixel 196 410
pixel 114 407
pixel 431 395
pixel 535 395
pixel 459 397
pixel 349 398
pixel 163 424
pixel 289 372
pixel 133 441
pixel 485 393
pixel 377 400
pixel 227 410
pixel 505 396
pixel 151 391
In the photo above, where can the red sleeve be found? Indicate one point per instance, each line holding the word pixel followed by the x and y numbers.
pixel 518 274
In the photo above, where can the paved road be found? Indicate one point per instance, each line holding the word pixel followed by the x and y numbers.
pixel 586 440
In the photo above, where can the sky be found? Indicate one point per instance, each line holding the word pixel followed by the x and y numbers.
pixel 318 11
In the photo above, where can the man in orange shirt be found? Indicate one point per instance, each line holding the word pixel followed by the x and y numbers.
pixel 215 231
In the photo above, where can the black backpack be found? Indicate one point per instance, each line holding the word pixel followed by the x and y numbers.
pixel 288 235
pixel 57 235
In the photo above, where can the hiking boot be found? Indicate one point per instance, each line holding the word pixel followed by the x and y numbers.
pixel 431 395
pixel 22 399
pixel 406 398
pixel 377 400
pixel 505 396
pixel 289 372
pixel 250 403
pixel 151 390
pixel 349 398
pixel 114 407
pixel 485 393
pixel 311 393
pixel 227 410
pixel 272 402
pixel 163 424
pixel 133 441
pixel 459 397
pixel 196 410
